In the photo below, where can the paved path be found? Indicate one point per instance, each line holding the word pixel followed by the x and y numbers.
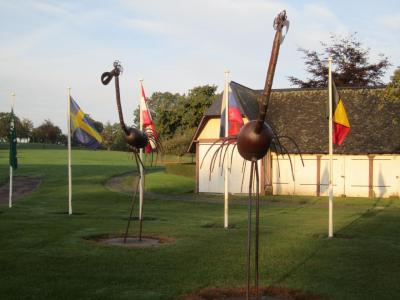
pixel 21 187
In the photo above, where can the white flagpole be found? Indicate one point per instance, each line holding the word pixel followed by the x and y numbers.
pixel 11 168
pixel 69 152
pixel 330 187
pixel 141 183
pixel 226 175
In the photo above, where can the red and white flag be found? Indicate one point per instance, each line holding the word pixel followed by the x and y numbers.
pixel 147 122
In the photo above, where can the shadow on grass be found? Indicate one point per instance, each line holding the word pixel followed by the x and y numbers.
pixel 354 263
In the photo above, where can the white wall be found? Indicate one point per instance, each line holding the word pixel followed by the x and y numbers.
pixel 386 178
pixel 350 175
pixel 215 183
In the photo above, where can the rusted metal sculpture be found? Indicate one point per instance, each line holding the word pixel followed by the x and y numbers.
pixel 135 138
pixel 253 143
pixel 257 137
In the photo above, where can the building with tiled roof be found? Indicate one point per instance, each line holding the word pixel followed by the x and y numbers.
pixel 366 164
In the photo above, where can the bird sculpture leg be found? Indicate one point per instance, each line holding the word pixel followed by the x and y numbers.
pixel 257 273
pixel 249 231
pixel 132 206
pixel 141 208
pixel 254 180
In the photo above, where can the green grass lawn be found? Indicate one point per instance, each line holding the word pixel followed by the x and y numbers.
pixel 44 254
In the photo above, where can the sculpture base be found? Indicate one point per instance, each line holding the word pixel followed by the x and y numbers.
pixel 266 293
pixel 131 241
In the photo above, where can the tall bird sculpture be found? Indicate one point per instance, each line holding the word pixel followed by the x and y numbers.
pixel 253 142
pixel 135 138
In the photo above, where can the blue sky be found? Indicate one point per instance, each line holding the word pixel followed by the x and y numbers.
pixel 46 46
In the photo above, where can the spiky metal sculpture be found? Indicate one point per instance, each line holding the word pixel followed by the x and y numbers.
pixel 253 142
pixel 135 138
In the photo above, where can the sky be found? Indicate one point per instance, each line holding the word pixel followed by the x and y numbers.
pixel 173 45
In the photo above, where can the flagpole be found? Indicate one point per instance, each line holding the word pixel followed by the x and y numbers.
pixel 330 186
pixel 11 168
pixel 69 152
pixel 226 175
pixel 141 183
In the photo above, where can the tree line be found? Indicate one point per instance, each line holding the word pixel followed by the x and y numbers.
pixel 176 117
pixel 47 132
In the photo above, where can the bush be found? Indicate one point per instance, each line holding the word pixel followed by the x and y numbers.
pixel 179 143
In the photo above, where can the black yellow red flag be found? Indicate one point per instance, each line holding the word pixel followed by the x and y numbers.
pixel 341 124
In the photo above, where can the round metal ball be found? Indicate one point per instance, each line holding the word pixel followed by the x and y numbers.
pixel 136 138
pixel 254 141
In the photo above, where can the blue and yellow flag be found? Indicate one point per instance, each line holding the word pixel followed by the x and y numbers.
pixel 82 129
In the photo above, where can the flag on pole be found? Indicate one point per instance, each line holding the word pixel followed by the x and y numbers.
pixel 235 120
pixel 147 121
pixel 13 142
pixel 81 127
pixel 341 124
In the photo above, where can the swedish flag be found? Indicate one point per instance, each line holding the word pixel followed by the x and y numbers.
pixel 82 129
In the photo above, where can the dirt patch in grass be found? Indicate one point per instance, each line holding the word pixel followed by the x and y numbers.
pixel 144 219
pixel 131 241
pixel 115 184
pixel 66 213
pixel 324 236
pixel 22 186
pixel 266 293
pixel 219 226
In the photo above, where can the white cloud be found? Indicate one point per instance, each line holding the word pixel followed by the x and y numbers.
pixel 390 21
pixel 319 11
pixel 174 45
pixel 52 8
pixel 149 26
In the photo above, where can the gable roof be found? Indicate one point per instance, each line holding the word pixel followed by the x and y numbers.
pixel 301 114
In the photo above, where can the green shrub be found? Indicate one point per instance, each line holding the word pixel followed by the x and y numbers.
pixel 179 143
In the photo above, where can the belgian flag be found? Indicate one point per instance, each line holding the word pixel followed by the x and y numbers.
pixel 341 124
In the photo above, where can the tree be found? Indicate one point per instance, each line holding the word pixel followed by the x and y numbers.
pixel 195 104
pixel 5 119
pixel 175 113
pixel 162 106
pixel 392 91
pixel 47 132
pixel 176 116
pixel 96 124
pixel 108 135
pixel 25 129
pixel 350 64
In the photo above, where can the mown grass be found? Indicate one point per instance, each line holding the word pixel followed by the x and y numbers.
pixel 183 169
pixel 44 253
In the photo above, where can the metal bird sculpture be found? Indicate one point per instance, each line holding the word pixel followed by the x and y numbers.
pixel 135 138
pixel 253 142
pixel 256 137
